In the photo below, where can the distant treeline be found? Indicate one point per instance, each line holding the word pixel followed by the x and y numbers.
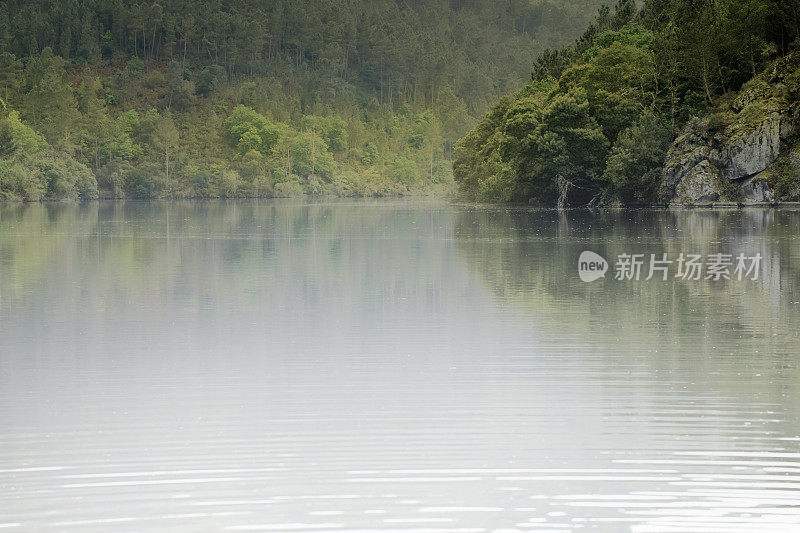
pixel 232 98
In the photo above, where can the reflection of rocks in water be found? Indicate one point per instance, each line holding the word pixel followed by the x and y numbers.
pixel 530 257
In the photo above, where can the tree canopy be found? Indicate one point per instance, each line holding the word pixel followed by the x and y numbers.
pixel 259 97
pixel 596 119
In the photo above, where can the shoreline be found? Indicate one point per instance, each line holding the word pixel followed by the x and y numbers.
pixel 729 206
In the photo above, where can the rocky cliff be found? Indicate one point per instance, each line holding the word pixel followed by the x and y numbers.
pixel 747 151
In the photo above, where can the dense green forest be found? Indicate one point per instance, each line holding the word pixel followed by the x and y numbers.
pixel 597 119
pixel 256 97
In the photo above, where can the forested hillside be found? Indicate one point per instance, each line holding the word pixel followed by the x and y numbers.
pixel 256 97
pixel 597 121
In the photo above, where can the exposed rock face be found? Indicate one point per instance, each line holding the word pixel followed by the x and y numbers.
pixel 708 168
pixel 756 189
pixel 728 158
pixel 684 169
pixel 701 183
pixel 753 152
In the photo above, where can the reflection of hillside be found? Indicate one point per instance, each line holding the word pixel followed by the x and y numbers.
pixel 530 257
pixel 164 282
pixel 181 258
pixel 246 256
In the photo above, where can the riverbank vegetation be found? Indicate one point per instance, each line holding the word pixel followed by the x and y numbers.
pixel 596 120
pixel 255 97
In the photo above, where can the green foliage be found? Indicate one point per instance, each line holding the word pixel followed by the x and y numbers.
pixel 597 118
pixel 529 145
pixel 209 79
pixel 477 165
pixel 51 106
pixel 405 170
pixel 289 188
pixel 752 113
pixel 214 182
pixel 632 36
pixel 63 177
pixel 18 182
pixel 221 99
pixel 249 130
pixel 558 141
pixel 145 181
pixel 307 155
pixel 31 169
pixel 8 144
pixel 111 178
pixel 365 97
pixel 107 44
pixel 332 129
pixel 155 80
pixel 784 178
pixel 22 136
pixel 248 94
pixel 634 167
pixel 134 68
pixel 370 154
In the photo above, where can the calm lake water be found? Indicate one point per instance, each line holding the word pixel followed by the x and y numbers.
pixel 403 366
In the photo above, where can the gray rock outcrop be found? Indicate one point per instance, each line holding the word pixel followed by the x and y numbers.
pixel 752 152
pixel 730 166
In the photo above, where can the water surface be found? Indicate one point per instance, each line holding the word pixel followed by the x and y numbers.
pixel 402 366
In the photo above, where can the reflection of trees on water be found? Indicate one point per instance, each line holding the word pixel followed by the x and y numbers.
pixel 530 257
pixel 201 254
pixel 245 272
pixel 244 255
